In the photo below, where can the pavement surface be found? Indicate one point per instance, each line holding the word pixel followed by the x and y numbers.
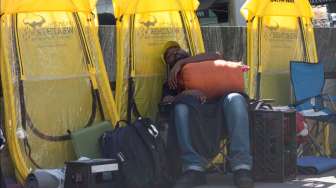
pixel 326 180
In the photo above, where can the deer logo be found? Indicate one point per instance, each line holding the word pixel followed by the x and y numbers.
pixel 149 23
pixel 274 26
pixel 34 22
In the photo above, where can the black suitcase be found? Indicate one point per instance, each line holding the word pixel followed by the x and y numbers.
pixel 273 144
pixel 96 173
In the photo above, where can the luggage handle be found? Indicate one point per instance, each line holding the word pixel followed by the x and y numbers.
pixel 261 104
pixel 149 126
pixel 117 126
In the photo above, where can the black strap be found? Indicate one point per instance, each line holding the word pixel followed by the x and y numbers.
pixel 130 100
pixel 258 76
pixel 19 69
pixel 28 151
pixel 88 60
pixel 131 106
pixel 303 40
pixel 95 100
pixel 100 106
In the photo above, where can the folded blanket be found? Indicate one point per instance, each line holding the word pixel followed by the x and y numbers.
pixel 52 178
pixel 315 165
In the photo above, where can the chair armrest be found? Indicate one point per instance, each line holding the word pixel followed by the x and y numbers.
pixel 331 99
pixel 320 101
pixel 297 103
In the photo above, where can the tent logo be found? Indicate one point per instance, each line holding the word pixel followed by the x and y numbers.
pixel 151 22
pixel 274 26
pixel 35 21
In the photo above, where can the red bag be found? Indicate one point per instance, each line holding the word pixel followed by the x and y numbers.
pixel 213 78
pixel 301 128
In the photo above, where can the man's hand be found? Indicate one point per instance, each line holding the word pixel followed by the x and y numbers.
pixel 195 93
pixel 168 99
pixel 172 78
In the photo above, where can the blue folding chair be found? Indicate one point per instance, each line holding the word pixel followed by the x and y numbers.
pixel 308 83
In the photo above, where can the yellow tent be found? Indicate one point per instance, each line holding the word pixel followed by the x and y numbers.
pixel 125 7
pixel 20 6
pixel 53 78
pixel 143 28
pixel 278 31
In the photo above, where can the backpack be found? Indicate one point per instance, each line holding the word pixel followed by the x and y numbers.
pixel 140 152
pixel 2 180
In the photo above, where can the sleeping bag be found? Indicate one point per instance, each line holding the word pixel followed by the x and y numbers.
pixel 213 78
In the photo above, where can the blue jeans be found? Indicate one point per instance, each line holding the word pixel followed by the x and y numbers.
pixel 236 122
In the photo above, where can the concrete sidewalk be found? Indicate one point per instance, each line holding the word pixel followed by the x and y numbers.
pixel 326 180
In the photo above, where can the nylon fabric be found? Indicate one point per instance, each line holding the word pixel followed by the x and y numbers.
pixel 306 76
pixel 259 8
pixel 125 7
pixel 278 31
pixel 140 41
pixel 20 6
pixel 57 57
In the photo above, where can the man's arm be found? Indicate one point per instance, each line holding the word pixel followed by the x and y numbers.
pixel 201 57
pixel 194 93
pixel 172 78
pixel 168 94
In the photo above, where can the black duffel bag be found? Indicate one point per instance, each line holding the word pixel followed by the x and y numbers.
pixel 141 154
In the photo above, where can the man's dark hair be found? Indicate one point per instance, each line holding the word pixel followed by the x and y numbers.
pixel 177 57
pixel 180 56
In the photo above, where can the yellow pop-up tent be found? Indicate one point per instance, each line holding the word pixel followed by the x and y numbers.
pixel 53 77
pixel 15 6
pixel 278 31
pixel 143 28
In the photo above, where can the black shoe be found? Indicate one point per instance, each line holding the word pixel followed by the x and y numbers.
pixel 243 179
pixel 191 178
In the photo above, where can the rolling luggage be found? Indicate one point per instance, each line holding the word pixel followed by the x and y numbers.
pixel 95 173
pixel 273 144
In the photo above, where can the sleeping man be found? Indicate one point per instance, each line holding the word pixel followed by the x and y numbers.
pixel 233 111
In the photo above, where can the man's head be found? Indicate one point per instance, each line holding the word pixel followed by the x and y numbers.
pixel 173 53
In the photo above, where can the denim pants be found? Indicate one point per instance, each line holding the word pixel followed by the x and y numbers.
pixel 236 122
